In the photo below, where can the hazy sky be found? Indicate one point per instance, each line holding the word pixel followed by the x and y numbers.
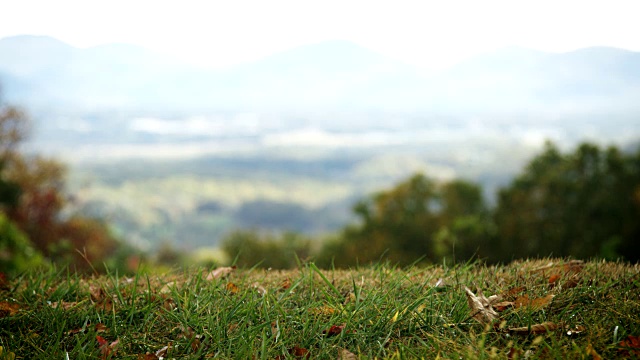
pixel 426 33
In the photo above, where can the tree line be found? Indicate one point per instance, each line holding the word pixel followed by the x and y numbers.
pixel 583 204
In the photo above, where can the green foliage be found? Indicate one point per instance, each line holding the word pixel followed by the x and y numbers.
pixel 580 204
pixel 250 248
pixel 17 254
pixel 418 220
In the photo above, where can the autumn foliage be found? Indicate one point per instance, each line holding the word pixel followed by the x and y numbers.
pixel 33 199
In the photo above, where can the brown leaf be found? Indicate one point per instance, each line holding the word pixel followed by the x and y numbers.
pixel 148 356
pixel 4 283
pixel 220 272
pixel 535 329
pixel 299 352
pixel 107 349
pixel 512 292
pixel 502 306
pixel 553 279
pixel 100 327
pixel 591 351
pixel 285 284
pixel 347 355
pixel 630 345
pixel 107 305
pixel 481 306
pixel 8 309
pixel 96 292
pixel 232 288
pixel 572 282
pixel 535 304
pixel 574 266
pixel 334 330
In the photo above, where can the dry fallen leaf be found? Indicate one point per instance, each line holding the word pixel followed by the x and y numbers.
pixel 502 306
pixel 4 283
pixel 299 352
pixel 512 292
pixel 220 272
pixel 96 292
pixel 534 304
pixel 481 306
pixel 535 329
pixel 8 309
pixel 593 353
pixel 107 349
pixel 334 330
pixel 347 355
pixel 570 266
pixel 148 356
pixel 629 346
pixel 285 284
pixel 232 288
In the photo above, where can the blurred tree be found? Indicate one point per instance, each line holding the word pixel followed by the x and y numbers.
pixel 417 219
pixel 250 248
pixel 33 196
pixel 580 204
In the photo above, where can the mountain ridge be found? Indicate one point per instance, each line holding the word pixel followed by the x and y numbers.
pixel 332 75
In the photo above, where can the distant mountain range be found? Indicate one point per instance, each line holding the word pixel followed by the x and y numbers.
pixel 331 76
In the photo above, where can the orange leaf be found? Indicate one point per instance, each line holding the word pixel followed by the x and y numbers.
pixel 232 288
pixel 553 279
pixel 535 329
pixel 630 345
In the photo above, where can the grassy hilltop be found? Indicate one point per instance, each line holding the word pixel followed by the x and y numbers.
pixel 546 308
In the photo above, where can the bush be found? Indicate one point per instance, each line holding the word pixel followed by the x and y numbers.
pixel 250 248
pixel 17 254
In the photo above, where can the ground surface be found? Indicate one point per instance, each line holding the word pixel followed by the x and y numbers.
pixel 541 309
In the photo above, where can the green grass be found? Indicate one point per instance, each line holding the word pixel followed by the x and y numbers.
pixel 372 312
